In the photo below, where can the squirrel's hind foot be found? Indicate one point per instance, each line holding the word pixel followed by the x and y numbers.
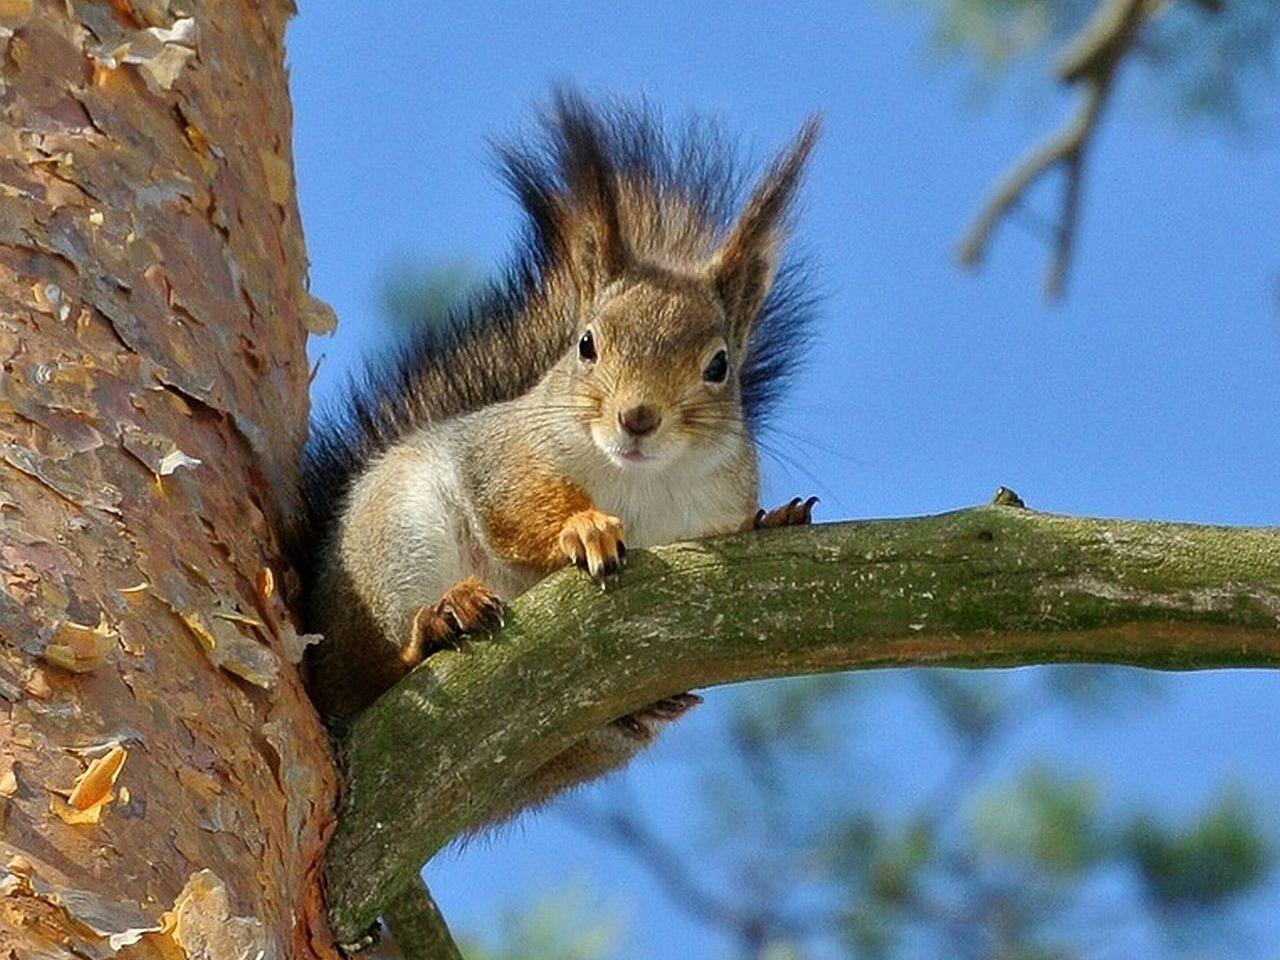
pixel 469 606
pixel 644 724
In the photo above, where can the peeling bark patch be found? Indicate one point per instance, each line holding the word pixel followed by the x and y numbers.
pixel 229 649
pixel 94 786
pixel 203 927
pixel 159 53
pixel 8 779
pixel 160 455
pixel 92 790
pixel 152 407
pixel 65 483
pixel 318 317
pixel 265 582
pixel 295 645
pixel 102 927
pixel 80 648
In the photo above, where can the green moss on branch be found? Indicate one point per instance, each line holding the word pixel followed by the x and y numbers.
pixel 985 587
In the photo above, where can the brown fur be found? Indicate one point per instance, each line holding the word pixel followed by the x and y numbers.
pixel 525 525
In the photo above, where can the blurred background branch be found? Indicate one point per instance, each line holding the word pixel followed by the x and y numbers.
pixel 1206 55
pixel 1089 62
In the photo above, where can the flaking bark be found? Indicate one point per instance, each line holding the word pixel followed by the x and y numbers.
pixel 153 313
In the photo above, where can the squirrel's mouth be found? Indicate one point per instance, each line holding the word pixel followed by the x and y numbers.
pixel 629 455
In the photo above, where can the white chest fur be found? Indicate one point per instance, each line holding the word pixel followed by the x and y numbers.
pixel 660 508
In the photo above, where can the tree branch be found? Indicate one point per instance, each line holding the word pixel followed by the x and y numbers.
pixel 416 925
pixel 987 587
pixel 1089 60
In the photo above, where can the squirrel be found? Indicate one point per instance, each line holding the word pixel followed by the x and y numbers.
pixel 606 392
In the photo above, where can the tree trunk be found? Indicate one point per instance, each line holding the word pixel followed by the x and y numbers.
pixel 165 787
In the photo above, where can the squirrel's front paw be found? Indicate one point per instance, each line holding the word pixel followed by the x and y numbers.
pixel 593 541
pixel 469 606
pixel 797 513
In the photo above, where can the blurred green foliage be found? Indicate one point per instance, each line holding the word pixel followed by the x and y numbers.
pixel 806 848
pixel 1218 856
pixel 414 293
pixel 1041 820
pixel 570 925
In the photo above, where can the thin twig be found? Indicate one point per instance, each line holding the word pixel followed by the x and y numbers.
pixel 1089 60
pixel 1104 38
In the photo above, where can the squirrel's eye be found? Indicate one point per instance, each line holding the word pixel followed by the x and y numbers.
pixel 717 369
pixel 587 347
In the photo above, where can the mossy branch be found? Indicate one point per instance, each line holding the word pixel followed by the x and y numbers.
pixel 417 928
pixel 991 586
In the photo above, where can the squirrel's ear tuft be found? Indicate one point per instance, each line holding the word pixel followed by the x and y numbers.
pixel 567 182
pixel 744 268
pixel 590 229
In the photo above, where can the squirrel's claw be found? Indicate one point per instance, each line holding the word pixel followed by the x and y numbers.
pixel 796 513
pixel 592 541
pixel 644 724
pixel 469 606
pixel 472 606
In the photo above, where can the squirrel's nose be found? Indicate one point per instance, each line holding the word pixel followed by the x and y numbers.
pixel 639 421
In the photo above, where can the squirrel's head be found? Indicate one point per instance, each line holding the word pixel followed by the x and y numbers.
pixel 666 299
pixel 653 374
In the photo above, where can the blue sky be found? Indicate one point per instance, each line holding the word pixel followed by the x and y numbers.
pixel 1151 393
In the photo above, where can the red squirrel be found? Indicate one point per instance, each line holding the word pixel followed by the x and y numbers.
pixel 607 391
